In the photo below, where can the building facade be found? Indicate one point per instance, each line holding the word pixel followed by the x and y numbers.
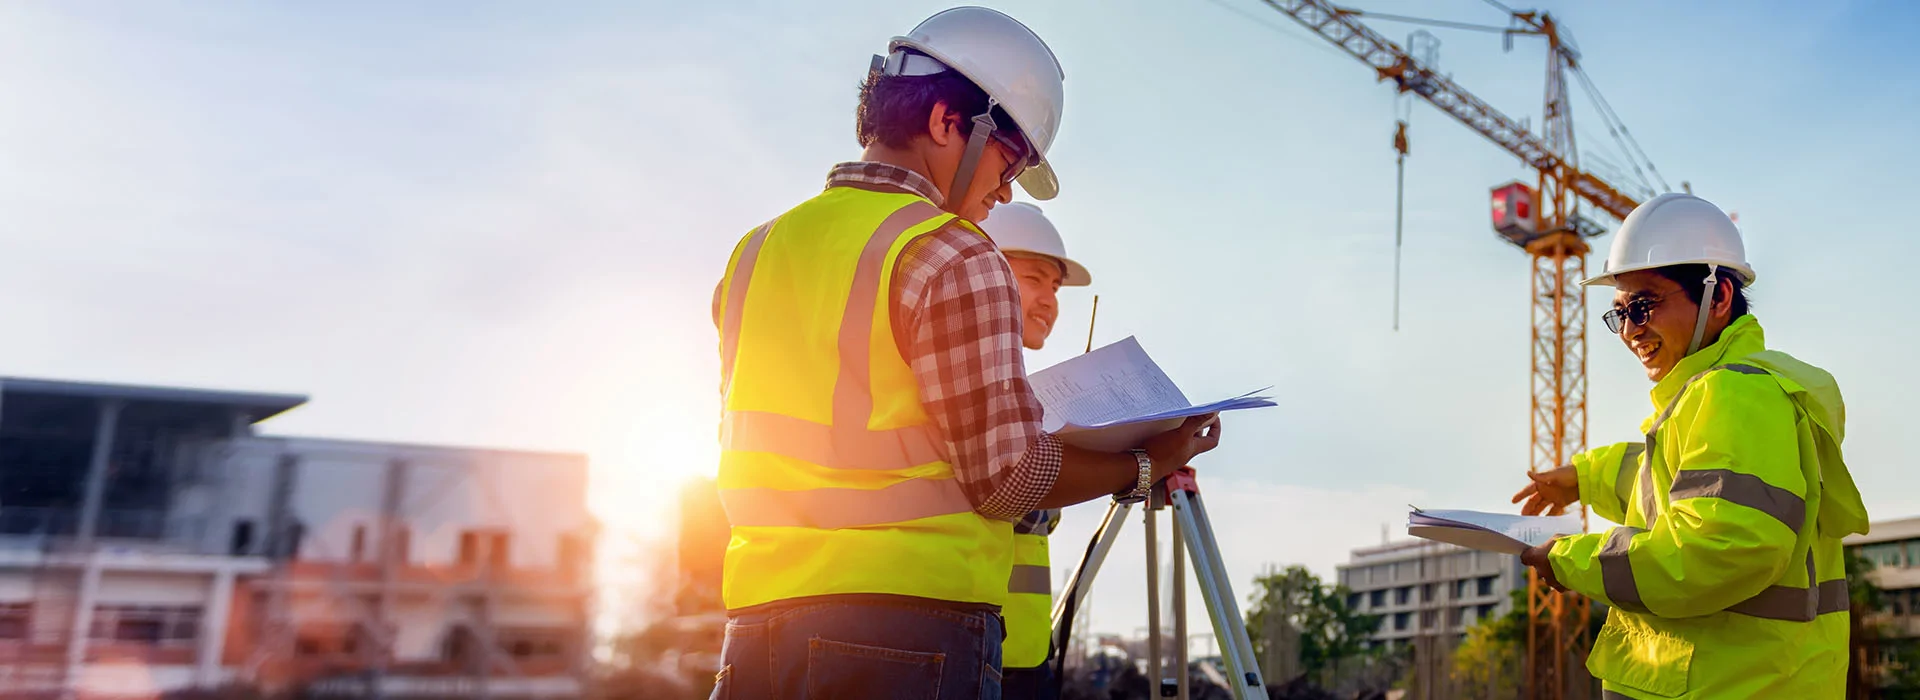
pixel 1421 588
pixel 152 541
pixel 1893 546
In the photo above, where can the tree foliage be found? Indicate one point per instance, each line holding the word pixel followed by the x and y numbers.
pixel 1296 602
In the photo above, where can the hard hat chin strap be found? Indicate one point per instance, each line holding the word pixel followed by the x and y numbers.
pixel 983 128
pixel 1706 308
pixel 908 63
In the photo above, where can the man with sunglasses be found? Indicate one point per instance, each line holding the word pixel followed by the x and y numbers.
pixel 879 438
pixel 1726 578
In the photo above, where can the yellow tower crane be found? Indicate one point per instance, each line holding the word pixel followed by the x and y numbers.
pixel 1543 220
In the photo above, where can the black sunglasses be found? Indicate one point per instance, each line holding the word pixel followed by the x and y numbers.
pixel 1636 311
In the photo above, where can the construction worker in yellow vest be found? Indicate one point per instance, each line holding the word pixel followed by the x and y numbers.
pixel 1726 576
pixel 878 437
pixel 1040 264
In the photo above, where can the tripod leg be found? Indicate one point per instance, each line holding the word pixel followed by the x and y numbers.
pixel 1090 562
pixel 1240 637
pixel 1155 669
pixel 1180 674
pixel 1235 647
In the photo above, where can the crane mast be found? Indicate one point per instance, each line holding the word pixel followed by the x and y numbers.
pixel 1546 224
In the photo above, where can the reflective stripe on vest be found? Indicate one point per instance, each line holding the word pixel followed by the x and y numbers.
pixel 1028 578
pixel 1777 602
pixel 1785 603
pixel 847 443
pixel 1029 607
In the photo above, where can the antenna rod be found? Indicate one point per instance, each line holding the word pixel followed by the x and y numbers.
pixel 1090 320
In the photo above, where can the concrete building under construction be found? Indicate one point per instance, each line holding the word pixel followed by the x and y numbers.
pixel 1421 588
pixel 151 541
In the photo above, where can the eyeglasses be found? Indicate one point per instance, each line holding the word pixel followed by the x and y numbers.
pixel 1637 312
pixel 1019 151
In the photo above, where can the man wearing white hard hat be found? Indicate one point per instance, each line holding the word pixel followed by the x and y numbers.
pixel 878 437
pixel 1726 578
pixel 1039 260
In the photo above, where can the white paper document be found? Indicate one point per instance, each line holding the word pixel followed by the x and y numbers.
pixel 1114 398
pixel 1491 532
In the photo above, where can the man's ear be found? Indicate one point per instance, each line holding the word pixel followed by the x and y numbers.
pixel 1723 295
pixel 940 125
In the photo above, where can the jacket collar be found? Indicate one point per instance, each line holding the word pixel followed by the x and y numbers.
pixel 1743 337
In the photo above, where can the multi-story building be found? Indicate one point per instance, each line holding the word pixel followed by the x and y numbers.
pixel 1421 588
pixel 151 541
pixel 1894 548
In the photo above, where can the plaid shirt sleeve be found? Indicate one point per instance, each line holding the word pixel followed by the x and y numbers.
pixel 957 320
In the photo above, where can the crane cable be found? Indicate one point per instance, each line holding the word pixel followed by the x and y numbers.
pixel 1622 135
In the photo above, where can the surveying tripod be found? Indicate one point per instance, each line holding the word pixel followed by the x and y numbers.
pixel 1192 534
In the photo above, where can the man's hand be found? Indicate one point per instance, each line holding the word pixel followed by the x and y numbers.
pixel 1536 558
pixel 1172 450
pixel 1550 491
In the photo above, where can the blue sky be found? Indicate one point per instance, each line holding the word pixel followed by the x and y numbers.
pixel 483 223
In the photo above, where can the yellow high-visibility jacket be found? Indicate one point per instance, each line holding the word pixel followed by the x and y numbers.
pixel 1029 607
pixel 1727 578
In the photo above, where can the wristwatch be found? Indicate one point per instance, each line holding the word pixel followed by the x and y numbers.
pixel 1144 485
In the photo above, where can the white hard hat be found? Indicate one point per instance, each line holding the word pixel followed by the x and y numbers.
pixel 1011 64
pixel 1019 227
pixel 1676 229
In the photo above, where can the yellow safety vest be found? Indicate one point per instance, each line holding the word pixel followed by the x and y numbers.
pixel 1727 577
pixel 1029 608
pixel 832 476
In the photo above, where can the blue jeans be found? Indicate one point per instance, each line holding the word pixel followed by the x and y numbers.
pixel 855 650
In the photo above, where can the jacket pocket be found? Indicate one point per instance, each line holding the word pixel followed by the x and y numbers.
pixel 841 670
pixel 1641 658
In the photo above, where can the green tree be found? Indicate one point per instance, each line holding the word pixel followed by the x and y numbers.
pixel 1488 664
pixel 1295 614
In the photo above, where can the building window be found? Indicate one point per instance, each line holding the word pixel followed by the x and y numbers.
pixel 535 644
pixel 1401 620
pixel 1885 554
pixel 1913 551
pixel 15 620
pixel 1402 595
pixel 242 544
pixel 1460 588
pixel 1454 616
pixel 576 553
pixel 153 625
pixel 1429 619
pixel 296 538
pixel 1486 611
pixel 1353 601
pixel 461 648
pixel 359 550
pixel 1486 585
pixel 1426 593
pixel 402 544
pixel 1377 599
pixel 498 550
